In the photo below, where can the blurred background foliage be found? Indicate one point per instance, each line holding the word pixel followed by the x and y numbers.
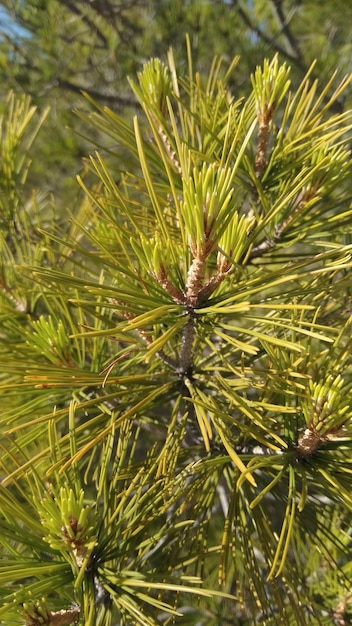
pixel 176 357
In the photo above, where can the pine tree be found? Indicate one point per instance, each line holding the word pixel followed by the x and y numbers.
pixel 176 361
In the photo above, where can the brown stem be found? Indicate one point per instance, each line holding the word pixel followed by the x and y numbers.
pixel 264 119
pixel 195 280
pixel 64 617
pixel 186 355
pixel 260 159
pixel 212 284
pixel 308 443
pixel 173 291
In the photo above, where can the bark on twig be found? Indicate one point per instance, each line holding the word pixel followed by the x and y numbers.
pixel 186 355
pixel 64 617
pixel 195 280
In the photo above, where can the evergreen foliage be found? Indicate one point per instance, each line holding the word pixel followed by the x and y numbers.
pixel 55 49
pixel 176 380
